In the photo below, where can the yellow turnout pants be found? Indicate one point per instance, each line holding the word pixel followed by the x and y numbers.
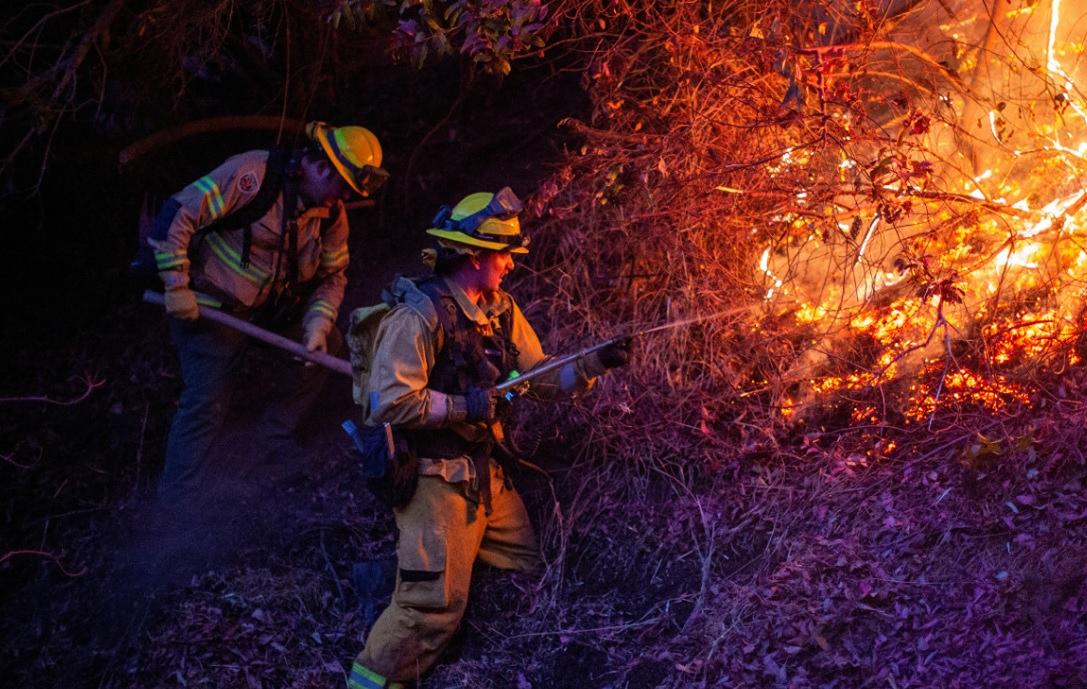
pixel 441 533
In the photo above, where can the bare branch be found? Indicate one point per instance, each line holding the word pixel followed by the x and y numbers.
pixel 90 382
pixel 42 553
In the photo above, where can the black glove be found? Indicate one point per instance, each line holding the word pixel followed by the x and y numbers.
pixel 482 404
pixel 615 354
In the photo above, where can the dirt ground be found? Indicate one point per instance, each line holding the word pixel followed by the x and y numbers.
pixel 770 572
pixel 247 586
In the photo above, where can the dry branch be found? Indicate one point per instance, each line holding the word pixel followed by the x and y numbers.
pixel 91 382
pixel 62 74
pixel 41 553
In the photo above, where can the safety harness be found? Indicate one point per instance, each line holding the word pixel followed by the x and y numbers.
pixel 466 358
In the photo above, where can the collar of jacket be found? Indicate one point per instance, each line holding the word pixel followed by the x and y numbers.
pixel 492 306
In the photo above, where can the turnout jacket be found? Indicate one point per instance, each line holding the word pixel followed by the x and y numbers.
pixel 212 264
pixel 406 351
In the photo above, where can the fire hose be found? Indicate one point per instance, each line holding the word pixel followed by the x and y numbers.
pixel 517 380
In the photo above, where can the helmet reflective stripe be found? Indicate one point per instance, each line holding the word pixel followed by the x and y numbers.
pixel 363 147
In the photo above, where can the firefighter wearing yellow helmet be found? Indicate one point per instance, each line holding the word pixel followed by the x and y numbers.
pixel 355 153
pixel 482 221
pixel 264 236
pixel 437 355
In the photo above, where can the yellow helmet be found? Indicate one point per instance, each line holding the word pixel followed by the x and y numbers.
pixel 482 220
pixel 355 153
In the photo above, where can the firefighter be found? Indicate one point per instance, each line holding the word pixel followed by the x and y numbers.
pixel 284 268
pixel 437 356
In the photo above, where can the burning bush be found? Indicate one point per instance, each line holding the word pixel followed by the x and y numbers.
pixel 883 200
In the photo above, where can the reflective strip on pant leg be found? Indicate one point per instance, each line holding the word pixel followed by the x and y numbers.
pixel 364 678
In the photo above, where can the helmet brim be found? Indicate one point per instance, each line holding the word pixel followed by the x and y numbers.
pixel 468 240
pixel 322 135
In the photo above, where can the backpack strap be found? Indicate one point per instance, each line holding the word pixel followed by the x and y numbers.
pixel 457 339
pixel 505 323
pixel 247 244
pixel 275 172
pixel 289 227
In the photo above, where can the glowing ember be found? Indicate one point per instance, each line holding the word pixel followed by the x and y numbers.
pixel 957 275
pixel 961 388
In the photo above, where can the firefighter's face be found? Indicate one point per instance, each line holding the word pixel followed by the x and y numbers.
pixel 322 185
pixel 493 267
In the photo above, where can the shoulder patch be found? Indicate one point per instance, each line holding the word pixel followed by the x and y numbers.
pixel 248 183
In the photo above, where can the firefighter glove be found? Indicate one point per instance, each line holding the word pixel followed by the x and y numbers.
pixel 315 335
pixel 482 404
pixel 181 303
pixel 616 354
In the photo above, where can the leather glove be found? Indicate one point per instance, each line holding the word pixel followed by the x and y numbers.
pixel 616 354
pixel 181 303
pixel 315 338
pixel 482 404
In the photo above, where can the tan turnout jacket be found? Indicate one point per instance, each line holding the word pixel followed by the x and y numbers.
pixel 212 264
pixel 405 352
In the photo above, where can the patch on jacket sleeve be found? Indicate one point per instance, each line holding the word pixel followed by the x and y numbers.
pixel 248 183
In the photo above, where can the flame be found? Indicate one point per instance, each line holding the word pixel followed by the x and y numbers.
pixel 994 393
pixel 999 273
pixel 810 313
pixel 1029 336
pixel 1053 66
pixel 1023 247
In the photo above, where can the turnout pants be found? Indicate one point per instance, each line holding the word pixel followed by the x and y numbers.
pixel 441 534
pixel 210 354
